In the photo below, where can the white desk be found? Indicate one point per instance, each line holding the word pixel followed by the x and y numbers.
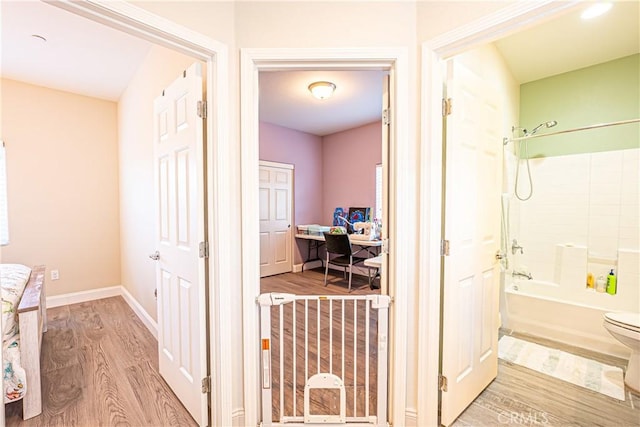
pixel 316 241
pixel 355 241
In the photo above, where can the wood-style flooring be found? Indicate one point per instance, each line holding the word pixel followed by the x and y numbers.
pixel 518 396
pixel 521 396
pixel 100 368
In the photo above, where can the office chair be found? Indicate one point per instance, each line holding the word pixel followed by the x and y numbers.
pixel 339 253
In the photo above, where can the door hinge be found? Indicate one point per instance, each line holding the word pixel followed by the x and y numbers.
pixel 204 249
pixel 385 246
pixel 386 116
pixel 206 385
pixel 446 106
pixel 202 109
pixel 442 382
pixel 444 247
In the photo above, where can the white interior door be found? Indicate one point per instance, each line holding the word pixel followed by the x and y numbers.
pixel 472 226
pixel 276 211
pixel 181 282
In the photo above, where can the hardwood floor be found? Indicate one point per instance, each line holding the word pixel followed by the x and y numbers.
pixel 100 367
pixel 520 396
pixel 337 346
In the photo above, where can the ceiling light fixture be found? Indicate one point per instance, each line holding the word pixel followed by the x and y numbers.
pixel 39 37
pixel 322 90
pixel 596 9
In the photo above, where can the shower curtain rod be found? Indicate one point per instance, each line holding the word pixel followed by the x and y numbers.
pixel 596 126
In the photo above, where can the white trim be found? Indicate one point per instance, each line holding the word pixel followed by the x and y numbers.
pixel 402 200
pixel 237 417
pixel 270 164
pixel 83 296
pixel 100 293
pixel 221 173
pixel 489 28
pixel 142 314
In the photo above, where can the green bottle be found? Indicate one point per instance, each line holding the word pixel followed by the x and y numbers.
pixel 611 283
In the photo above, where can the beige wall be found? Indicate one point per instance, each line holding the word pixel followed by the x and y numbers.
pixel 63 185
pixel 137 203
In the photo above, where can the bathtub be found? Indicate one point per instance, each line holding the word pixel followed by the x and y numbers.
pixel 544 309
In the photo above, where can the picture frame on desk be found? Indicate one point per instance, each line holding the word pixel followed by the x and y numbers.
pixel 359 215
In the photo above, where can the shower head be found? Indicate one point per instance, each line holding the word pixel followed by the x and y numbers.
pixel 548 124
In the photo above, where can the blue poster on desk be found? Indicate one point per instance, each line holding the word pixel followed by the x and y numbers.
pixel 338 214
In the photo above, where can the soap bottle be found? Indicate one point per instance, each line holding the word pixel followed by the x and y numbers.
pixel 611 283
pixel 601 284
pixel 590 281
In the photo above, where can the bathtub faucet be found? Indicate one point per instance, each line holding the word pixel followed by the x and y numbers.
pixel 515 247
pixel 522 274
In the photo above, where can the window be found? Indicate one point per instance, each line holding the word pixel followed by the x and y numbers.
pixel 4 216
pixel 378 213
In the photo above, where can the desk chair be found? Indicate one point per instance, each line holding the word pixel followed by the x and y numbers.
pixel 339 253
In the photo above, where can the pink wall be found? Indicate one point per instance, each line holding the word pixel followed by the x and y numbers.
pixel 349 168
pixel 304 152
pixel 335 170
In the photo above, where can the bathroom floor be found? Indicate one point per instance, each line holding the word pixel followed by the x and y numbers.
pixel 520 396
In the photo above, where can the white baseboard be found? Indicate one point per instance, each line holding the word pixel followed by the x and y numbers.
pixel 297 268
pixel 237 417
pixel 83 296
pixel 147 320
pixel 411 418
pixel 100 293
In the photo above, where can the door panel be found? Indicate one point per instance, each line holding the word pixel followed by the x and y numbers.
pixel 276 211
pixel 179 174
pixel 472 226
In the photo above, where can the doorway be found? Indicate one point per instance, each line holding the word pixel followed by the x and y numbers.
pixel 433 53
pixel 256 60
pixel 140 23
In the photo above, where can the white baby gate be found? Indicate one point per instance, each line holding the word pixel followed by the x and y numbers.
pixel 316 357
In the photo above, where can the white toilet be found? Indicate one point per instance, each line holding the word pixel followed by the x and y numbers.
pixel 625 327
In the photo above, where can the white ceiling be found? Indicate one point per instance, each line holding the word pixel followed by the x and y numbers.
pixel 89 58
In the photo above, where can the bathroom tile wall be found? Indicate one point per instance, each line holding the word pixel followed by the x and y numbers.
pixel 590 200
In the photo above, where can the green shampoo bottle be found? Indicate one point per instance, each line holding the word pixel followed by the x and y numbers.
pixel 611 283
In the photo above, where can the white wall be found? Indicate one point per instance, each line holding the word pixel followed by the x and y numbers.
pixel 264 24
pixel 135 146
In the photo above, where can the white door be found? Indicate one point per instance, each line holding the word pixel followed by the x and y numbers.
pixel 181 282
pixel 276 211
pixel 472 226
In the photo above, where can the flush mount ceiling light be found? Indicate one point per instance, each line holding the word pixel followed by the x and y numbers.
pixel 322 90
pixel 596 10
pixel 39 38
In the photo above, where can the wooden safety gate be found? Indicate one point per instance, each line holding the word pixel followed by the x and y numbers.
pixel 324 359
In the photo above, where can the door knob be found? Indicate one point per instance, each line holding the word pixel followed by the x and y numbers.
pixel 155 256
pixel 499 255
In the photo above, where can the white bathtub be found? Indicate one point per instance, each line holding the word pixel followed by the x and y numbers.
pixel 543 309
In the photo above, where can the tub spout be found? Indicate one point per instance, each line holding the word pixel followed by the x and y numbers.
pixel 528 276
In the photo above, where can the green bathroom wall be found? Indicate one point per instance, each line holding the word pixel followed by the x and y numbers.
pixel 601 93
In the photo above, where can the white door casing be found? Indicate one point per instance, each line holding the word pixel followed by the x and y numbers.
pixel 276 215
pixel 472 226
pixel 401 201
pixel 180 272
